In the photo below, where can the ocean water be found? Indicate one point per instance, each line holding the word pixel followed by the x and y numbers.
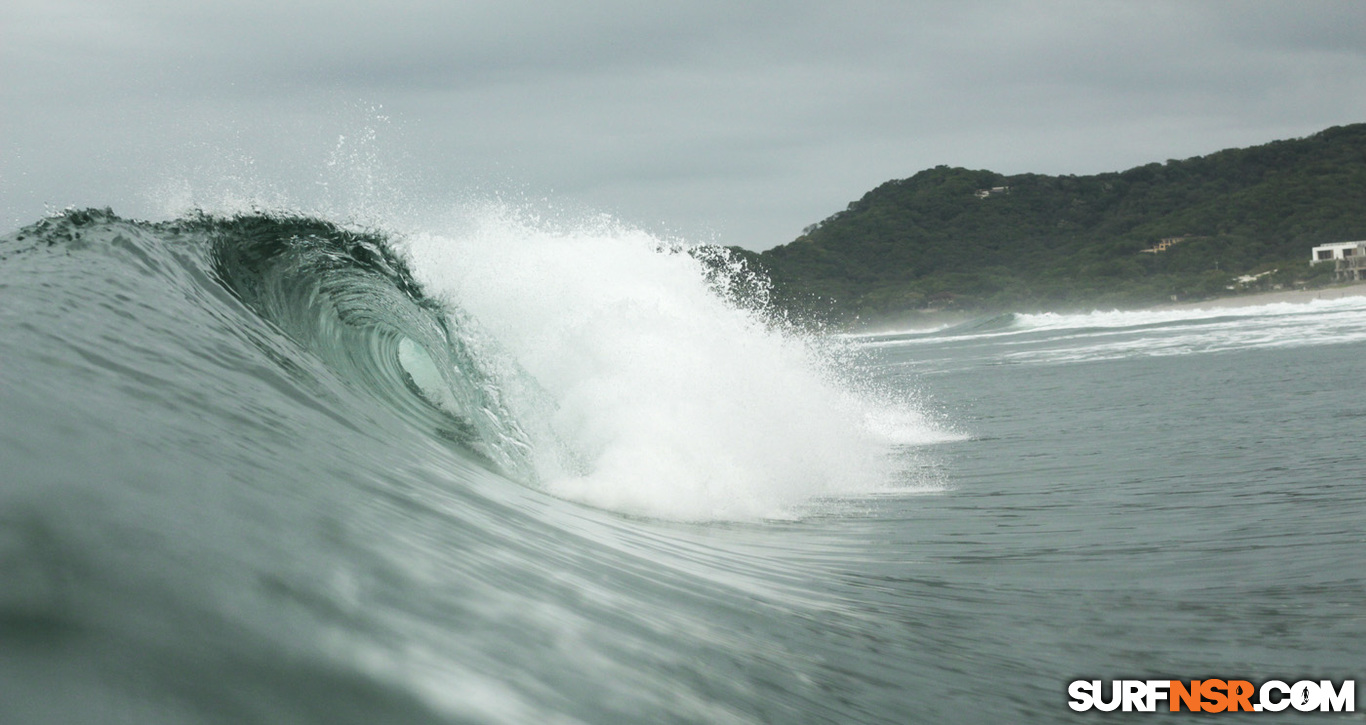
pixel 272 469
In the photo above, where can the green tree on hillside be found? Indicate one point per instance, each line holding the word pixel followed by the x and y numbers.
pixel 944 239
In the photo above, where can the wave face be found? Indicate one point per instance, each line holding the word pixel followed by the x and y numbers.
pixel 571 360
pixel 349 300
pixel 267 468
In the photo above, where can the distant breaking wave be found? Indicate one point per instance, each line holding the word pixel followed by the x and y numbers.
pixel 1099 335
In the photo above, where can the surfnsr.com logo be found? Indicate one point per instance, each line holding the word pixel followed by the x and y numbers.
pixel 1212 696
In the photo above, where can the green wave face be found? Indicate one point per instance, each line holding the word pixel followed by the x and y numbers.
pixel 351 300
pixel 345 297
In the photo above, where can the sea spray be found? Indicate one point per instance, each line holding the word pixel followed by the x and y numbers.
pixel 669 400
pixel 649 376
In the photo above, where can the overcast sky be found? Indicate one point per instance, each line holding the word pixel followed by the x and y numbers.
pixel 737 123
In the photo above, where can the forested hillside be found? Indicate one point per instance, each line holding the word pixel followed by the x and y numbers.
pixel 953 238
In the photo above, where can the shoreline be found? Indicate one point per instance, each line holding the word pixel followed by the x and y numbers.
pixel 923 321
pixel 1296 296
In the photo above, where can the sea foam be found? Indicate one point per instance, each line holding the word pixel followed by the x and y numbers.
pixel 659 397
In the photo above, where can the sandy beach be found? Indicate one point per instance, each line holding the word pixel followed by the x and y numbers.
pixel 1356 289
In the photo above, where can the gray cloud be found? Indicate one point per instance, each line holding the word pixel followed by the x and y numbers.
pixel 731 122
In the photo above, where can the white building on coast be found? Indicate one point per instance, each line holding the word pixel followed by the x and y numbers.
pixel 1350 258
pixel 1337 250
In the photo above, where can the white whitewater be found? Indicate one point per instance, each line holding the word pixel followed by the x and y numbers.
pixel 664 399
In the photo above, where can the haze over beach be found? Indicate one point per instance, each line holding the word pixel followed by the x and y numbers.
pixel 1265 298
pixel 737 125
